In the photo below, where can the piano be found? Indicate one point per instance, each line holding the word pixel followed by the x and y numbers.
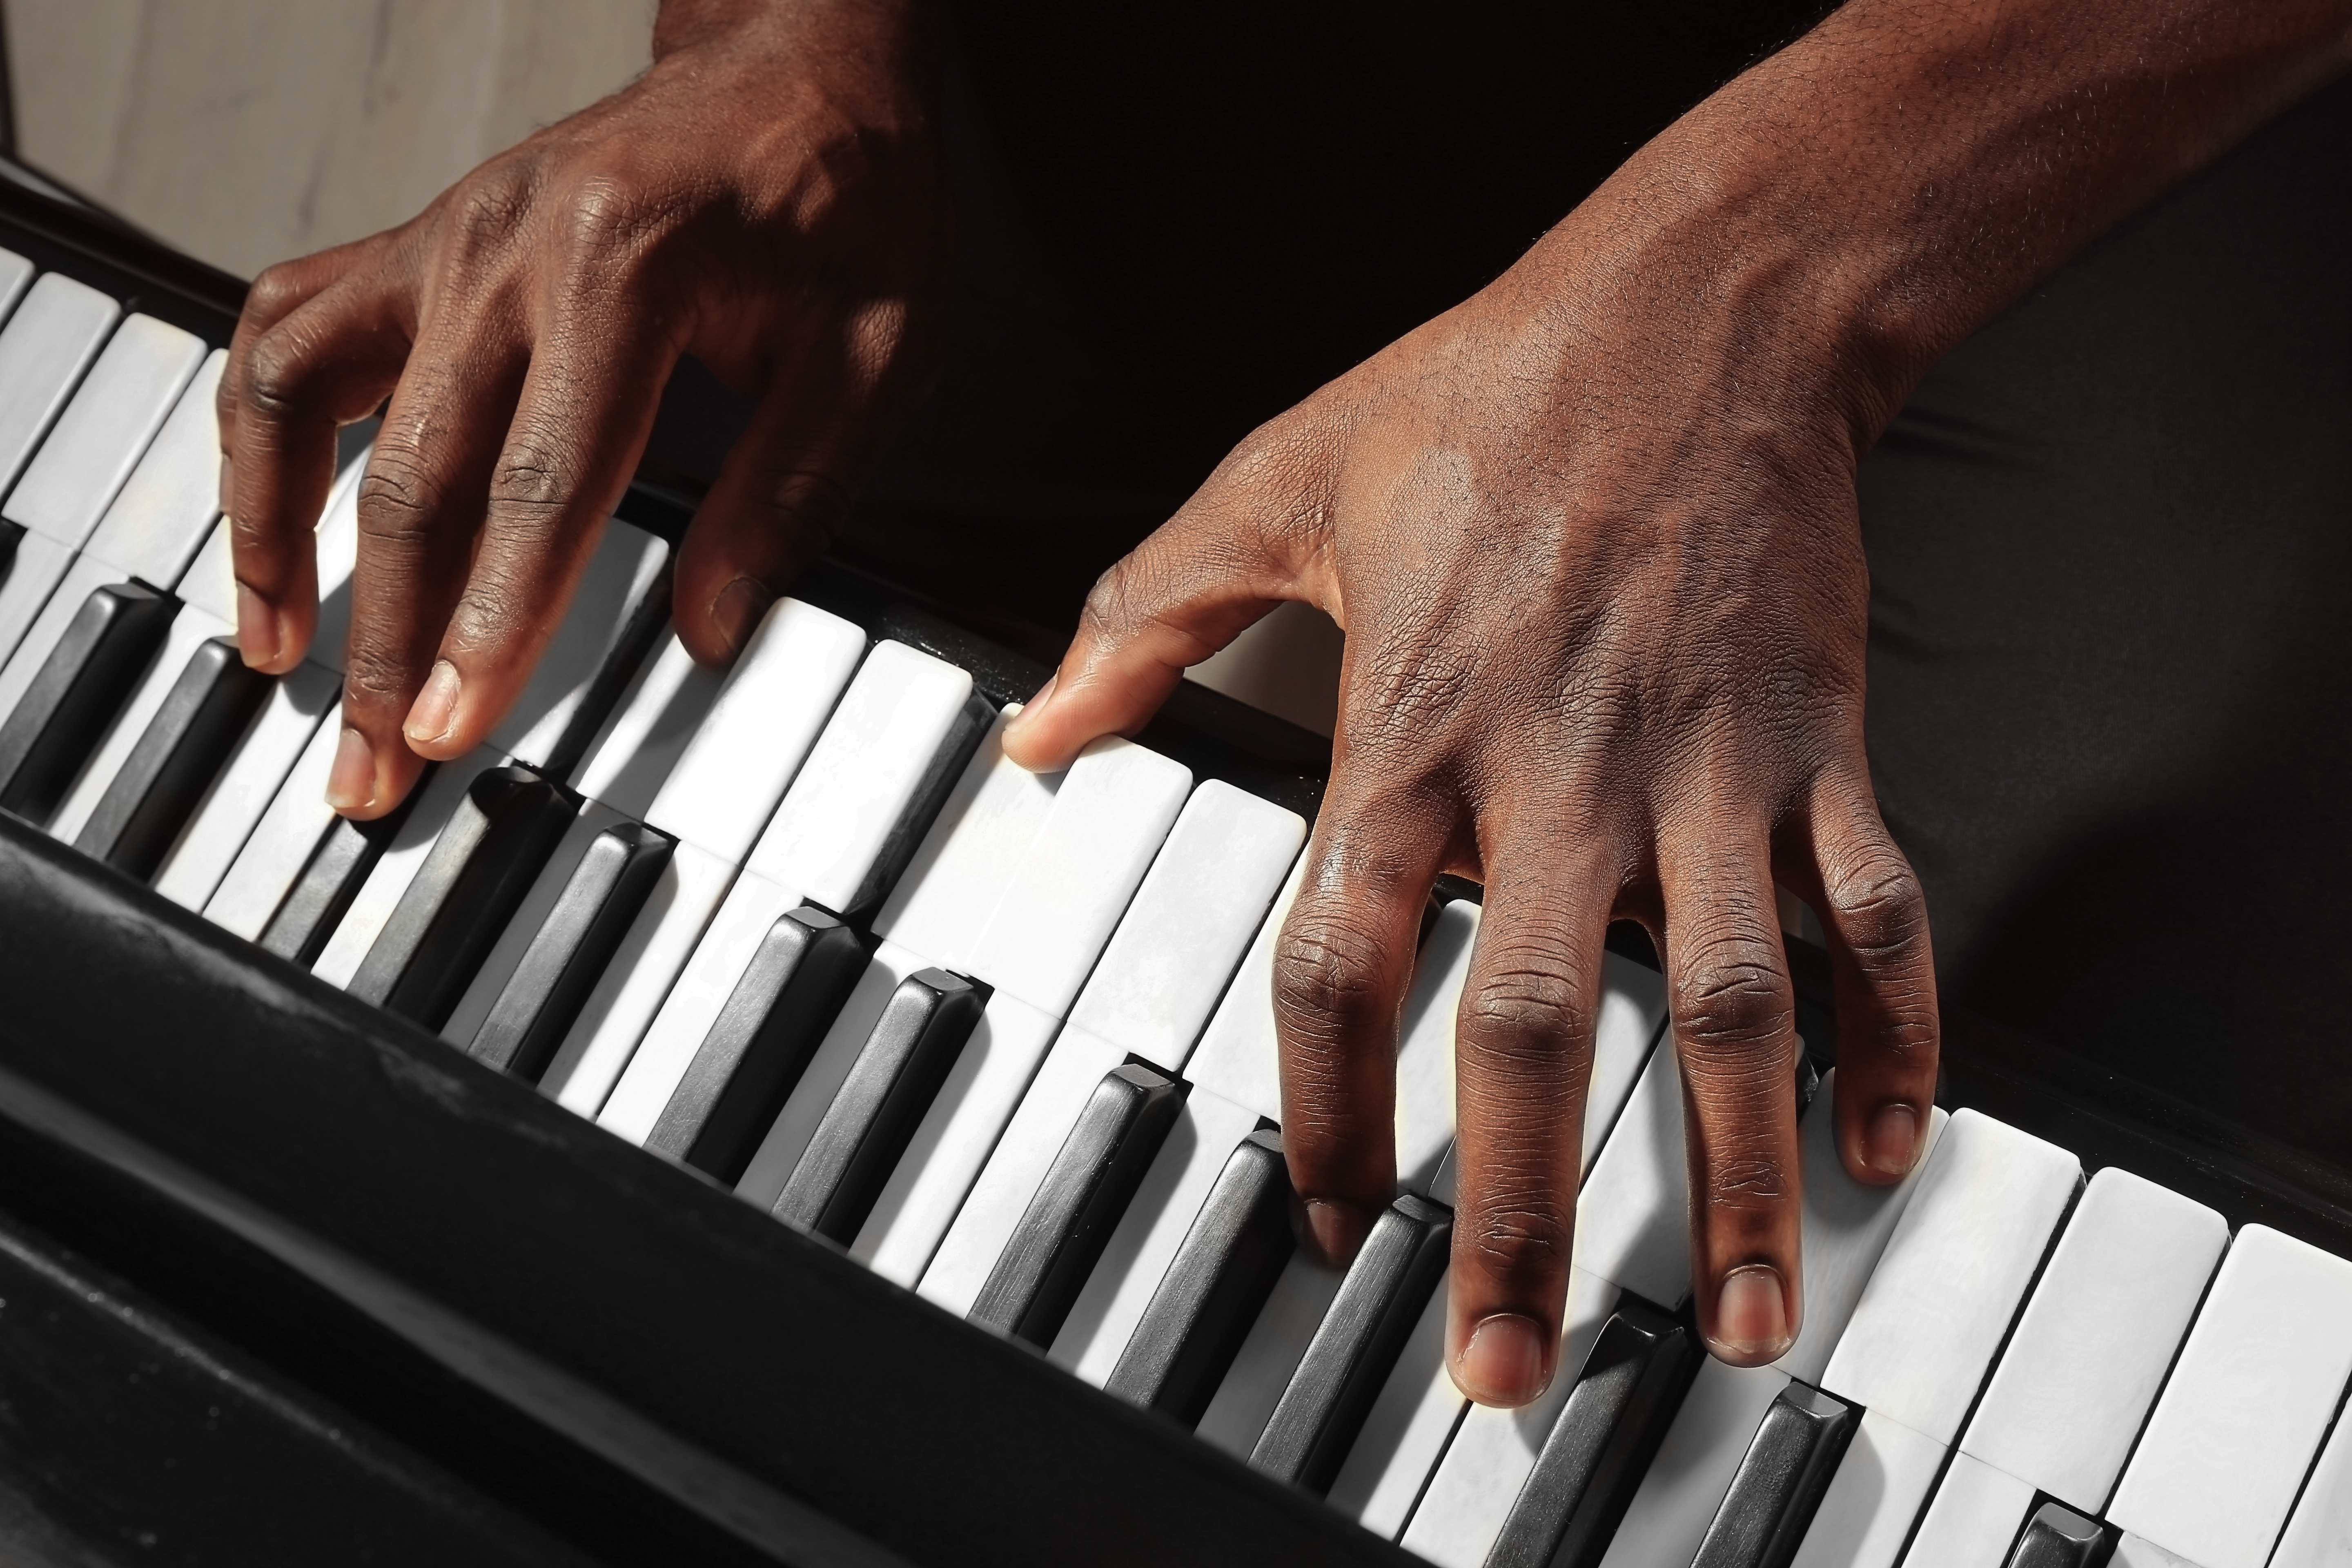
pixel 741 1118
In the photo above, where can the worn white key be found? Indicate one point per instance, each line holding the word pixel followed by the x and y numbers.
pixel 397 866
pixel 2095 1341
pixel 48 342
pixel 2320 1533
pixel 1632 1015
pixel 155 523
pixel 612 590
pixel 648 731
pixel 1276 1343
pixel 281 843
pixel 630 992
pixel 1136 1258
pixel 190 629
pixel 760 726
pixel 1238 1056
pixel 1686 1483
pixel 2243 1411
pixel 1471 1492
pixel 949 889
pixel 1952 1274
pixel 1629 1215
pixel 225 818
pixel 121 404
pixel 2138 1552
pixel 1974 1518
pixel 1406 1430
pixel 1425 1067
pixel 1876 1497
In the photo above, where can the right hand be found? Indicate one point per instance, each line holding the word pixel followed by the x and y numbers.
pixel 771 198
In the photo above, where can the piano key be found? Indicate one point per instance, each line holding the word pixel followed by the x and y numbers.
pixel 1182 1188
pixel 760 727
pixel 559 951
pixel 2319 1534
pixel 1238 1058
pixel 343 856
pixel 606 632
pixel 1406 1430
pixel 648 730
pixel 274 856
pixel 1270 1353
pixel 1470 1494
pixel 1950 1279
pixel 83 578
pixel 180 752
pixel 1215 1284
pixel 30 581
pixel 1424 1066
pixel 1873 1500
pixel 66 707
pixel 223 822
pixel 763 1040
pixel 209 583
pixel 1684 1485
pixel 2097 1336
pixel 481 865
pixel 1603 1437
pixel 49 341
pixel 2058 1537
pixel 1381 1295
pixel 432 804
pixel 1629 1215
pixel 1974 1519
pixel 158 520
pixel 2135 1551
pixel 870 1123
pixel 1780 1480
pixel 15 277
pixel 1058 1240
pixel 139 704
pixel 121 404
pixel 2262 1372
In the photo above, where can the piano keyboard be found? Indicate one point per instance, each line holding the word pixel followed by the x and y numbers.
pixel 1007 1041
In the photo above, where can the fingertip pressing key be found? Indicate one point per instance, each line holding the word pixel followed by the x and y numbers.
pixel 261 630
pixel 737 610
pixel 1751 1316
pixel 1506 1362
pixel 351 783
pixel 431 716
pixel 1891 1142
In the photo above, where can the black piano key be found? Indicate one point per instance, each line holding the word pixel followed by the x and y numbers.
pixel 1215 1286
pixel 874 1116
pixel 1384 1292
pixel 10 532
pixel 1601 1442
pixel 184 748
pixel 2058 1537
pixel 1788 1466
pixel 460 899
pixel 1061 1235
pixel 331 880
pixel 570 949
pixel 750 1062
pixel 85 681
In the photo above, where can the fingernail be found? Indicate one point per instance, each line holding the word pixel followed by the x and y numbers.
pixel 351 783
pixel 429 716
pixel 1035 705
pixel 1751 1316
pixel 1335 1229
pixel 1892 1140
pixel 258 637
pixel 738 609
pixel 1503 1362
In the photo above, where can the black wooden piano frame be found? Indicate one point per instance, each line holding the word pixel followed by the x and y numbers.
pixel 283 1279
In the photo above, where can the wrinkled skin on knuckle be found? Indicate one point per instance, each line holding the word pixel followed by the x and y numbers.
pixel 1519 1230
pixel 1329 977
pixel 1731 998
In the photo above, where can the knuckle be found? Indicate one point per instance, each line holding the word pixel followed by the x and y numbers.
pixel 487 209
pixel 603 217
pixel 1732 996
pixel 1519 1235
pixel 1882 911
pixel 1747 1181
pixel 277 367
pixel 1527 1006
pixel 1328 976
pixel 396 496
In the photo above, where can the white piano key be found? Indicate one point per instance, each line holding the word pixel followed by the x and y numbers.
pixel 279 848
pixel 1973 1518
pixel 2138 1552
pixel 190 628
pixel 986 1220
pixel 752 907
pixel 1276 1343
pixel 951 886
pixel 611 589
pixel 2096 1338
pixel 1876 1495
pixel 1845 1227
pixel 761 725
pixel 337 542
pixel 1470 1494
pixel 121 404
pixel 1112 814
pixel 1406 1430
pixel 1239 1056
pixel 506 954
pixel 2319 1535
pixel 615 1017
pixel 1630 1216
pixel 1686 1483
pixel 1632 1015
pixel 849 802
pixel 788 1139
pixel 164 509
pixel 15 277
pixel 84 577
pixel 39 567
pixel 398 865
pixel 954 1139
pixel 1952 1276
pixel 1203 901
pixel 1424 1068
pixel 648 730
pixel 48 342
pixel 2242 1413
pixel 233 806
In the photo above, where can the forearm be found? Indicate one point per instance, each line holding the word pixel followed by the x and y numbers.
pixel 1872 193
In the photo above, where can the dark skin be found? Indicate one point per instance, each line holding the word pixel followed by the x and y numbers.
pixel 1592 534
